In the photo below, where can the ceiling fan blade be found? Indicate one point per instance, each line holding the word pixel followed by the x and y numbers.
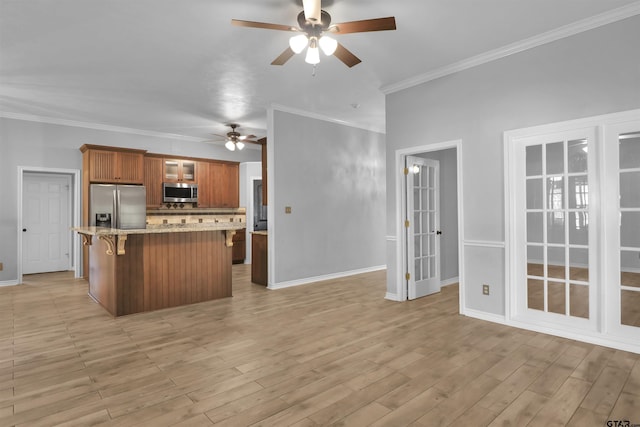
pixel 243 137
pixel 378 24
pixel 265 25
pixel 284 57
pixel 345 55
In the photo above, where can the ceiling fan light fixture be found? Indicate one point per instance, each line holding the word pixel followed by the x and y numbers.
pixel 328 45
pixel 298 43
pixel 230 145
pixel 239 145
pixel 313 53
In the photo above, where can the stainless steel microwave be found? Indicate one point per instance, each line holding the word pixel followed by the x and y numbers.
pixel 179 192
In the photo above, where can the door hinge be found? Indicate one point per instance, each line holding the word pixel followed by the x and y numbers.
pixel 407 276
pixel 406 171
pixel 407 223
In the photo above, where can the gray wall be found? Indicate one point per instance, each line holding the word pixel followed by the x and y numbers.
pixel 34 144
pixel 333 177
pixel 592 73
pixel 448 211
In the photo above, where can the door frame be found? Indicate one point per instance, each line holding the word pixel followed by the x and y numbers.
pixel 401 206
pixel 74 212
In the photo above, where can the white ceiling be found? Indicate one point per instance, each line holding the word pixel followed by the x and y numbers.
pixel 180 67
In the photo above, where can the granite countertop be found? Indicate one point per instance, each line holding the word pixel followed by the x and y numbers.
pixel 161 228
pixel 260 232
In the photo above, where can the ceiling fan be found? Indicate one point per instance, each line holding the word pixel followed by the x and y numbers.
pixel 313 24
pixel 235 139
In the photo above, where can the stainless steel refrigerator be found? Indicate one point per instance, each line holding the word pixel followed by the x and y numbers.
pixel 118 206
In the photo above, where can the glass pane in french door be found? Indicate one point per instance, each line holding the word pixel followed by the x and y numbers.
pixel 629 213
pixel 424 223
pixel 557 227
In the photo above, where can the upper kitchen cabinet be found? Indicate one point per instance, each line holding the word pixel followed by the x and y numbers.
pixel 153 170
pixel 225 184
pixel 203 179
pixel 179 170
pixel 112 165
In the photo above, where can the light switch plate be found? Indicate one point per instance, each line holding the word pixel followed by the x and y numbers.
pixel 287 209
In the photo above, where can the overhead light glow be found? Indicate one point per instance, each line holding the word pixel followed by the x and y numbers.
pixel 313 53
pixel 240 145
pixel 298 43
pixel 230 145
pixel 313 56
pixel 328 45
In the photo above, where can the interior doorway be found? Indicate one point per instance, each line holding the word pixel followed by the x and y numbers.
pixel 430 218
pixel 46 211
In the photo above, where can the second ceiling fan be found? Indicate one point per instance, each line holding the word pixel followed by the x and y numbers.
pixel 314 23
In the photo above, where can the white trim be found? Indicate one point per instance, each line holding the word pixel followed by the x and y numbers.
pixel 332 276
pixel 97 126
pixel 271 200
pixel 76 203
pixel 565 31
pixel 401 291
pixel 482 315
pixel 8 283
pixel 392 297
pixel 484 243
pixel 311 115
pixel 450 281
pixel 391 238
pixel 593 338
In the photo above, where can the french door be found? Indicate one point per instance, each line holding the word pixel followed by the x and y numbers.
pixel 555 238
pixel 422 226
pixel 574 213
pixel 622 215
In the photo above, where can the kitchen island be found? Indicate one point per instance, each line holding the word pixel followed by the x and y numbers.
pixel 133 271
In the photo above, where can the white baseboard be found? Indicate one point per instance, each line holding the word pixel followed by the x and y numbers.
pixel 489 317
pixel 9 283
pixel 392 297
pixel 591 338
pixel 448 282
pixel 332 276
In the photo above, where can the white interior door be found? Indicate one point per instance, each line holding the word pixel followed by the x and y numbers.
pixel 46 223
pixel 423 226
pixel 622 245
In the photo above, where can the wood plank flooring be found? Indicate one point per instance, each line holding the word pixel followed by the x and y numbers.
pixel 331 353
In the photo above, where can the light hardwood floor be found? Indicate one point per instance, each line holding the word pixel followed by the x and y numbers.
pixel 329 353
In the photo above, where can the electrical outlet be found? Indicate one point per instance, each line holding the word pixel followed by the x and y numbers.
pixel 485 289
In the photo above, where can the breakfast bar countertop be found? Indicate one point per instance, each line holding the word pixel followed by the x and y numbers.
pixel 161 228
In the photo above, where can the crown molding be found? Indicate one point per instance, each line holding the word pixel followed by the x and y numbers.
pixel 97 126
pixel 568 30
pixel 311 115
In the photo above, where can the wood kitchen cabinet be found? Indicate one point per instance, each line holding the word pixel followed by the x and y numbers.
pixel 179 170
pixel 239 246
pixel 113 165
pixel 225 185
pixel 203 179
pixel 153 170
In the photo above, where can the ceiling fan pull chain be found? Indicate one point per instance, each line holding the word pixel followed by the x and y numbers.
pixel 313 73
